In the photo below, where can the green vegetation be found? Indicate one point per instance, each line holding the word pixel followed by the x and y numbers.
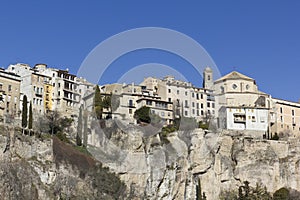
pixel 104 182
pixel 275 137
pixel 30 120
pixel 203 125
pixel 246 192
pixel 79 128
pixel 143 115
pixel 199 195
pixel 24 112
pixel 281 194
pixel 98 109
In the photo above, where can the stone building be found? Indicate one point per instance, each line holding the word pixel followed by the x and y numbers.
pixel 188 100
pixel 286 118
pixel 10 97
pixel 240 105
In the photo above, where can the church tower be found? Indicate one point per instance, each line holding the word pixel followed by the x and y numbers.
pixel 208 81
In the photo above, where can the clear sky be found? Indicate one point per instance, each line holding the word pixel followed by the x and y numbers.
pixel 258 38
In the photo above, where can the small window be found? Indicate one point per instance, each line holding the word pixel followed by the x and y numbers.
pixel 130 111
pixel 169 90
pixel 177 91
pixel 170 100
pixel 9 88
pixel 234 86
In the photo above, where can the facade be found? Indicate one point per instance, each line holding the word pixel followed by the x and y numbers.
pixel 10 93
pixel 240 105
pixel 188 100
pixel 287 117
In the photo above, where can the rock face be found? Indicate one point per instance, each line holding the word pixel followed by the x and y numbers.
pixel 151 166
pixel 169 168
pixel 46 168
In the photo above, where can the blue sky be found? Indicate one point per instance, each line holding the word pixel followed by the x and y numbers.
pixel 257 38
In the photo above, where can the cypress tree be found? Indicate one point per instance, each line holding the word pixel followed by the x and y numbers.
pixel 24 112
pixel 30 116
pixel 98 109
pixel 79 128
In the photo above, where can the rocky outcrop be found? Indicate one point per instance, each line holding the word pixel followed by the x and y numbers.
pixel 45 168
pixel 169 168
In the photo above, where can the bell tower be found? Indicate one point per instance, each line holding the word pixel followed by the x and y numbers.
pixel 208 81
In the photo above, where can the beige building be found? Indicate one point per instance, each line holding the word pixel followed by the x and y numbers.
pixel 286 118
pixel 188 100
pixel 132 97
pixel 240 105
pixel 10 93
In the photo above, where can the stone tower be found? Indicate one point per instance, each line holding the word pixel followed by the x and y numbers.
pixel 208 81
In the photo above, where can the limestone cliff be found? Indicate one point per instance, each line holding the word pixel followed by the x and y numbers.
pixel 45 168
pixel 169 168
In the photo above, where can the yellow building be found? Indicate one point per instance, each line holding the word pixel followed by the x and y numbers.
pixel 48 90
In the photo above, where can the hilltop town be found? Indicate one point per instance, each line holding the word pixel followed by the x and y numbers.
pixel 232 102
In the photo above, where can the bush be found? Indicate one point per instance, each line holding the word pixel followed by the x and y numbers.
pixel 281 194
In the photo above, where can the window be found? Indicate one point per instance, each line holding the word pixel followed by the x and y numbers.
pixel 234 86
pixel 208 77
pixel 9 88
pixel 201 105
pixel 170 100
pixel 197 105
pixel 280 109
pixel 130 103
pixel 293 113
pixel 186 93
pixel 177 91
pixel 169 90
pixel 202 113
pixel 208 104
pixel 222 89
pixel 213 105
pixel 149 103
pixel 186 103
pixel 193 111
pixel 162 114
pixel 247 87
pixel 281 118
pixel 193 94
pixel 193 104
pixel 197 96
pixel 130 111
pixel 201 96
pixel 197 112
pixel 186 113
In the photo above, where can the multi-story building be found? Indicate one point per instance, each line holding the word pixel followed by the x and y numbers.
pixel 287 117
pixel 240 105
pixel 10 96
pixel 132 97
pixel 32 85
pixel 188 100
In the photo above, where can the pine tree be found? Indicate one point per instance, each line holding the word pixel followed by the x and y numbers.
pixel 30 116
pixel 79 128
pixel 24 112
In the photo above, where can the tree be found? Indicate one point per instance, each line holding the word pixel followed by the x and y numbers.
pixel 24 112
pixel 79 128
pixel 30 116
pixel 53 120
pixel 85 129
pixel 98 109
pixel 281 194
pixel 198 190
pixel 143 115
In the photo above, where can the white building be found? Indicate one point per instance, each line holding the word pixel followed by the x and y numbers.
pixel 240 105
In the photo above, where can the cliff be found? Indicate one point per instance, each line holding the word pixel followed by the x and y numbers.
pixel 155 167
pixel 152 166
